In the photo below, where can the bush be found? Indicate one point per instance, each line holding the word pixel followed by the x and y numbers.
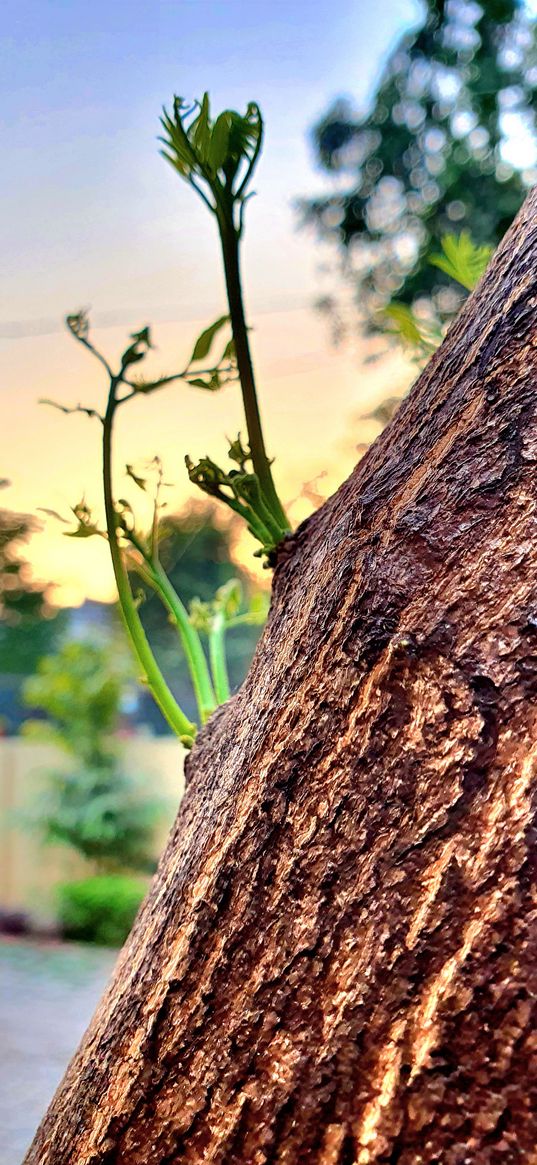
pixel 103 813
pixel 93 805
pixel 101 909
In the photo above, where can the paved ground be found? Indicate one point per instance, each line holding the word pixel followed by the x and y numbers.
pixel 47 995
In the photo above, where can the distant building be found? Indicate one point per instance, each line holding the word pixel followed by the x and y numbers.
pixel 91 620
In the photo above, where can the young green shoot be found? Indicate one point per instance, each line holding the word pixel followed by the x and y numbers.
pixel 217 158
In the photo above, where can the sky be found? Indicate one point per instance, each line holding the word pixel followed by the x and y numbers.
pixel 91 216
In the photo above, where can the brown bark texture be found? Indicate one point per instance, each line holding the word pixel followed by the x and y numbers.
pixel 337 962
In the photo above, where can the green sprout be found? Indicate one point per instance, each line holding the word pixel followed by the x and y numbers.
pixel 218 159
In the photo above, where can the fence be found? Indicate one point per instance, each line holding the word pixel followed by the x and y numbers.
pixel 29 871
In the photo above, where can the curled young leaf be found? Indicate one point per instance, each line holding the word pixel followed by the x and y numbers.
pixel 137 350
pixel 87 527
pixel 247 487
pixel 78 324
pixel 200 131
pixel 141 482
pixel 222 154
pixel 207 475
pixel 238 453
pixel 201 615
pixel 218 145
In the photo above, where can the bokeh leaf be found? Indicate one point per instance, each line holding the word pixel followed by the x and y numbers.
pixel 462 259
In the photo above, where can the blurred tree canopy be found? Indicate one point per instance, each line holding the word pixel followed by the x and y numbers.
pixel 28 626
pixel 435 153
pixel 20 597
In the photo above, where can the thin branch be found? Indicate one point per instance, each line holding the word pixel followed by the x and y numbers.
pixel 156 577
pixel 142 389
pixel 72 409
pixel 98 355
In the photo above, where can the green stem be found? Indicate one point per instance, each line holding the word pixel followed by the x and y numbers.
pixel 217 653
pixel 156 577
pixel 264 514
pixel 255 524
pixel 163 696
pixel 195 656
pixel 245 620
pixel 230 252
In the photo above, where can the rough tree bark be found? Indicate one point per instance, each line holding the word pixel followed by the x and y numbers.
pixel 337 962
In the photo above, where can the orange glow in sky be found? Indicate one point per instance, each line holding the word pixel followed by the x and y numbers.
pixel 312 401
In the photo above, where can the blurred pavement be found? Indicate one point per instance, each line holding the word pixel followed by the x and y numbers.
pixel 48 993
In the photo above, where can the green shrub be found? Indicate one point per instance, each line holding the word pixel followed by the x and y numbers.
pixel 101 909
pixel 93 805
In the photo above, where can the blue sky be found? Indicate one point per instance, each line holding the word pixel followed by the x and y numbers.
pixel 90 215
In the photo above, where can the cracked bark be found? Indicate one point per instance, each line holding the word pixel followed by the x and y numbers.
pixel 337 962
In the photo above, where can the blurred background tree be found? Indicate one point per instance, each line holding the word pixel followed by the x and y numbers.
pixel 448 144
pixel 20 598
pixel 29 625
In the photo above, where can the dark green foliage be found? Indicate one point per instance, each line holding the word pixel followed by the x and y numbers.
pixel 101 813
pixel 28 626
pixel 20 599
pixel 101 909
pixel 427 158
pixel 22 645
pixel 92 805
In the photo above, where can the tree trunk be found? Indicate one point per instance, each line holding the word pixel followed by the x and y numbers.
pixel 337 962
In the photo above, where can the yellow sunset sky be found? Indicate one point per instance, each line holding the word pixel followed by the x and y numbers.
pixel 92 216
